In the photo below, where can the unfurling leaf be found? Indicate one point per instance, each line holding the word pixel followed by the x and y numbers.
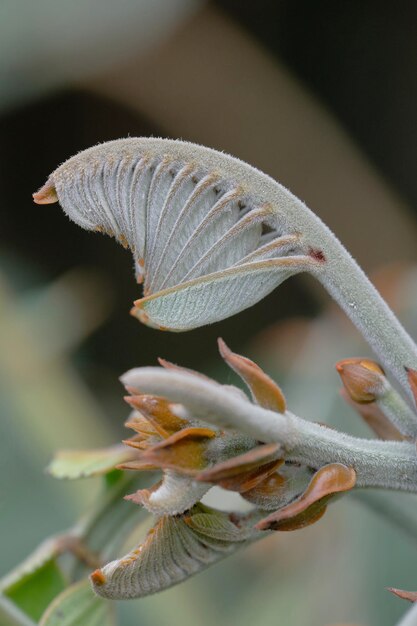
pixel 86 463
pixel 311 505
pixel 175 549
pixel 209 234
pixel 264 390
pixel 78 606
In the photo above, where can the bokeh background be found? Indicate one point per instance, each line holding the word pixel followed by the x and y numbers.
pixel 322 96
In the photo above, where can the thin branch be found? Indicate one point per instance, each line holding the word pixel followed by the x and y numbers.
pixel 398 412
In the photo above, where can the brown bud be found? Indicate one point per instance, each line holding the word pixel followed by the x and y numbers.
pixel 183 451
pixel 364 380
pixel 158 412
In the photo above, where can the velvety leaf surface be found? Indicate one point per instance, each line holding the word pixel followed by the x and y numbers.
pixel 174 549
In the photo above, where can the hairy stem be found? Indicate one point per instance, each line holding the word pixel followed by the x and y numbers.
pixel 387 464
pixel 351 288
pixel 398 412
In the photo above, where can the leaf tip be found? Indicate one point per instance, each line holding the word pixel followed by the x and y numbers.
pixel 46 194
pixel 98 578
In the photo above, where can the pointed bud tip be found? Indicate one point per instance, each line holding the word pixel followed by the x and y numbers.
pixel 46 194
pixel 364 380
pixel 98 578
pixel 264 390
pixel 169 365
pixel 223 347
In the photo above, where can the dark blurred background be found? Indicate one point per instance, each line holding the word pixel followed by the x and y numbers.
pixel 321 95
pixel 345 71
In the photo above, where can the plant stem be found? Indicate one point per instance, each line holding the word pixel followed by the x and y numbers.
pixel 398 412
pixel 351 288
pixel 387 464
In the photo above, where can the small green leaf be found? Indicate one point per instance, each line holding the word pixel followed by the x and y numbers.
pixel 86 463
pixel 78 606
pixel 34 591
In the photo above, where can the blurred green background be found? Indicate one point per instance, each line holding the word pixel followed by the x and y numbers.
pixel 320 95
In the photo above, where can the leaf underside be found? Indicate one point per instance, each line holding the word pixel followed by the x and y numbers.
pixel 205 244
pixel 176 548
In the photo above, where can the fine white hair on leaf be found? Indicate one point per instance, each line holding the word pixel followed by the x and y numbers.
pixel 211 236
pixel 175 494
pixel 175 549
